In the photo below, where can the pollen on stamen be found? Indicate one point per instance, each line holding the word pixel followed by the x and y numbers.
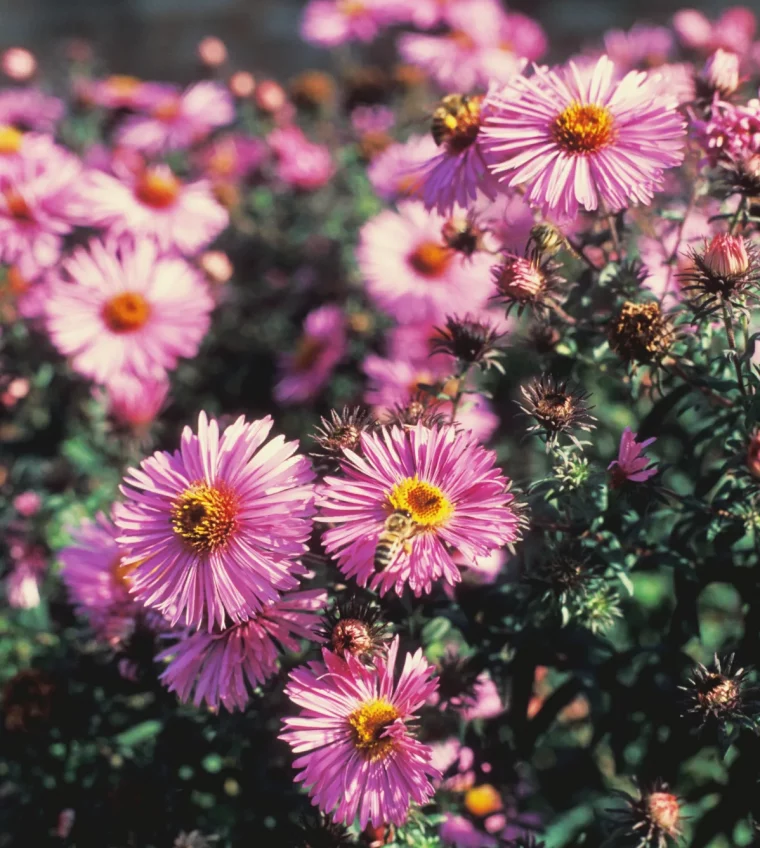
pixel 427 504
pixel 583 128
pixel 367 725
pixel 204 517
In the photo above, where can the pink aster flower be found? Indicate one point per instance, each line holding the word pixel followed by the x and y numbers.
pixel 152 202
pixel 321 346
pixel 456 497
pixel 642 46
pixel 36 185
pixel 120 306
pixel 222 668
pixel 22 586
pixel 631 463
pixel 136 401
pixel 412 274
pixel 731 131
pixel 329 23
pixel 733 30
pixel 216 528
pixel 396 172
pixel 231 157
pixel 176 120
pixel 360 756
pixel 30 109
pixel 580 140
pixel 300 163
pixel 116 92
pixel 485 44
pixel 97 579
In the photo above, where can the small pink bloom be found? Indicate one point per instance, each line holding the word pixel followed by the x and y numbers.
pixel 641 47
pixel 22 586
pixel 329 23
pixel 120 306
pixel 231 157
pixel 300 163
pixel 137 401
pixel 30 108
pixel 212 51
pixel 359 755
pixel 321 346
pixel 18 64
pixel 27 504
pixel 270 96
pixel 631 464
pixel 242 84
pixel 397 171
pixel 726 255
pixel 176 120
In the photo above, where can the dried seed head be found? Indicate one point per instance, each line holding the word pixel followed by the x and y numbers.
pixel 652 820
pixel 422 408
pixel 468 340
pixel 721 694
pixel 641 333
pixel 318 831
pixel 342 431
pixel 557 407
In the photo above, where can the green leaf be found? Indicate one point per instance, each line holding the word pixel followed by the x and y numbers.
pixel 138 734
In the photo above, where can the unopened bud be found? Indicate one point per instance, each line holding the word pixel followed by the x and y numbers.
pixel 726 256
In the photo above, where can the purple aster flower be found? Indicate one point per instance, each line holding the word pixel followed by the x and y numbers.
pixel 215 529
pixel 223 667
pixel 631 463
pixel 360 757
pixel 455 496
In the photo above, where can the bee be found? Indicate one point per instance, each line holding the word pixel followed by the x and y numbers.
pixel 456 118
pixel 399 528
pixel 463 235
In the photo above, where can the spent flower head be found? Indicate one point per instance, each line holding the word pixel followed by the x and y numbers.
pixel 641 334
pixel 341 431
pixel 472 341
pixel 557 407
pixel 650 820
pixel 354 626
pixel 721 694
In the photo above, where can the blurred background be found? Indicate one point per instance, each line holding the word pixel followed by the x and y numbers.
pixel 157 38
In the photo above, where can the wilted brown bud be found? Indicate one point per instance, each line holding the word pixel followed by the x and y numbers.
pixel 641 332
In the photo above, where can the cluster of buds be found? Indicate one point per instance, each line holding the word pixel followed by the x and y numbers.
pixel 557 407
pixel 726 273
pixel 641 334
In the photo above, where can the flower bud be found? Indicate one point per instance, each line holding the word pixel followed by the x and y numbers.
pixel 270 96
pixel 664 811
pixel 242 84
pixel 212 51
pixel 721 72
pixel 18 64
pixel 520 279
pixel 726 256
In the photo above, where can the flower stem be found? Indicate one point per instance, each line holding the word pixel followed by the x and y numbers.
pixel 732 344
pixel 739 210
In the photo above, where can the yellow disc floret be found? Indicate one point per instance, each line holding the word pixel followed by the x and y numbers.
pixel 583 128
pixel 204 517
pixel 367 725
pixel 426 503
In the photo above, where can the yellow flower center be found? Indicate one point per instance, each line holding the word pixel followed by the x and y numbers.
pixel 430 259
pixel 583 128
pixel 158 187
pixel 10 140
pixel 426 503
pixel 122 85
pixel 367 725
pixel 351 8
pixel 126 312
pixel 204 517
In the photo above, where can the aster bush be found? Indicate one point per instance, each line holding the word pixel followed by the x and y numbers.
pixel 381 448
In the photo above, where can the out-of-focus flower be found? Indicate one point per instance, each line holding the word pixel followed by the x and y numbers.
pixel 641 47
pixel 733 30
pixel 270 96
pixel 217 266
pixel 412 274
pixel 300 163
pixel 631 464
pixel 30 109
pixel 460 832
pixel 19 64
pixel 720 75
pixel 36 187
pixel 732 131
pixel 175 120
pixel 436 475
pixel 97 579
pixel 231 157
pixel 360 757
pixel 120 306
pixel 115 92
pixel 483 800
pixel 137 400
pixel 321 346
pixel 214 530
pixel 22 586
pixel 329 23
pixel 152 202
pixel 313 89
pixel 396 172
pixel 212 51
pixel 27 504
pixel 580 140
pixel 223 667
pixel 484 45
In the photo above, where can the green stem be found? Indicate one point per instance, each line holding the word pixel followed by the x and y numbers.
pixel 732 344
pixel 739 210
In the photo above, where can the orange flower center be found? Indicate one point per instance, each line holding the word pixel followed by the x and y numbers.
pixel 158 187
pixel 18 208
pixel 367 725
pixel 10 140
pixel 16 282
pixel 126 312
pixel 351 8
pixel 430 259
pixel 120 572
pixel 456 121
pixel 583 128
pixel 121 85
pixel 461 39
pixel 308 351
pixel 205 517
pixel 427 504
pixel 168 110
